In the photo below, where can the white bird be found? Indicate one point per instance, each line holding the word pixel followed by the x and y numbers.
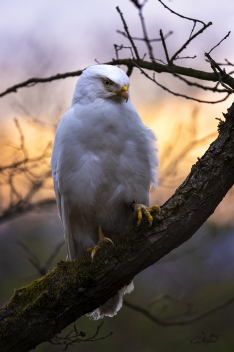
pixel 103 162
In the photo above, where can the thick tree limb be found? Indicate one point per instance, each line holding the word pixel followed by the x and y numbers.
pixel 38 311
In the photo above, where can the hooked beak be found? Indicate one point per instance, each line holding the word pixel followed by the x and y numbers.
pixel 124 93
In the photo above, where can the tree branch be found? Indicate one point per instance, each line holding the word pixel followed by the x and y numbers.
pixel 191 37
pixel 152 66
pixel 153 79
pixel 42 309
pixel 31 82
pixel 182 322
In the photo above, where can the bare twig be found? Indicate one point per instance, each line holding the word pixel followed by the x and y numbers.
pixel 195 84
pixel 20 208
pixel 190 320
pixel 220 42
pixel 119 48
pixel 189 40
pixel 127 33
pixel 74 337
pixel 186 57
pixel 22 145
pixel 177 14
pixel 33 81
pixel 164 47
pixel 150 40
pixel 35 171
pixel 36 262
pixel 228 63
pixel 191 36
pixel 145 34
pixel 46 153
pixel 221 74
pixel 194 25
pixel 169 167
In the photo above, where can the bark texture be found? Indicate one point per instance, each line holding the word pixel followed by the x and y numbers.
pixel 48 305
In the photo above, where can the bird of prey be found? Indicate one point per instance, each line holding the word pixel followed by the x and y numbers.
pixel 103 164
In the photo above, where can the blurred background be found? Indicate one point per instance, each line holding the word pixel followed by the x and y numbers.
pixel 41 39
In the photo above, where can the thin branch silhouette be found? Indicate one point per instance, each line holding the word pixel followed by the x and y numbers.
pixel 179 15
pixel 74 336
pixel 127 32
pixel 183 322
pixel 178 94
pixel 226 36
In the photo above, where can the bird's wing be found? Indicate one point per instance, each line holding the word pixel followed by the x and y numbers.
pixel 64 216
pixel 63 207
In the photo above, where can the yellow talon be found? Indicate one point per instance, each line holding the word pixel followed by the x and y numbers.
pixel 150 218
pixel 155 207
pixel 138 208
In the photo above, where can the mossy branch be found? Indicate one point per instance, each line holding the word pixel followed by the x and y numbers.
pixel 38 311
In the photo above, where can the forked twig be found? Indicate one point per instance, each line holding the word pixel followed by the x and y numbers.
pixel 36 262
pixel 127 33
pixel 189 40
pixel 221 74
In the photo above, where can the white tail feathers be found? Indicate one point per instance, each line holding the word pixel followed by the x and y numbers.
pixel 113 305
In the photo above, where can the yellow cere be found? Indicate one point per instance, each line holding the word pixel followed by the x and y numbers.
pixel 124 88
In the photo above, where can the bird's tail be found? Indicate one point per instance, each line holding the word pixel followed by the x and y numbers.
pixel 113 305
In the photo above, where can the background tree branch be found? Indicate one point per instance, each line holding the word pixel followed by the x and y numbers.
pixel 226 80
pixel 129 63
pixel 151 66
pixel 40 310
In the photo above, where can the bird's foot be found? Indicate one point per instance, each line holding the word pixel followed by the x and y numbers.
pixel 102 240
pixel 141 208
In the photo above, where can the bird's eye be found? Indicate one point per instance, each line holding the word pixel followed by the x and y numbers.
pixel 107 82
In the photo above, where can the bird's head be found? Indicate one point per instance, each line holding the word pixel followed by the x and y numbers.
pixel 102 81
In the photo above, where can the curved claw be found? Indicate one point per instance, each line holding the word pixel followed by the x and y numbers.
pixel 139 208
pixel 102 240
pixel 106 239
